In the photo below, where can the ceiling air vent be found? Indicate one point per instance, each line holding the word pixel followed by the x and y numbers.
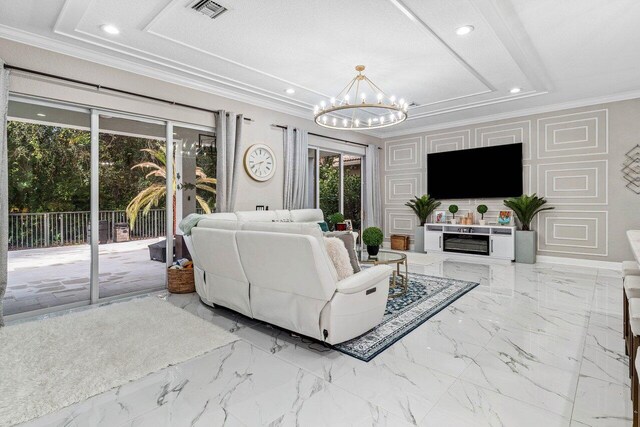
pixel 209 8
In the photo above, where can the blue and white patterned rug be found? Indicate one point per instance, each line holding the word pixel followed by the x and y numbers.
pixel 426 296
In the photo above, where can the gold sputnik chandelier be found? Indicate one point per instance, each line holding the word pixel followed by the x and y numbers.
pixel 361 105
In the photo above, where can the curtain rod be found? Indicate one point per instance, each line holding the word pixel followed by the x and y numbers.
pixel 327 137
pixel 111 89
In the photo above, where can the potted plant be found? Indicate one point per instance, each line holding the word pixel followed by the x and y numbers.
pixel 526 208
pixel 372 237
pixel 482 209
pixel 453 209
pixel 335 219
pixel 423 207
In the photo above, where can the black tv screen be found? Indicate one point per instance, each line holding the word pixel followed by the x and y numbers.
pixel 476 173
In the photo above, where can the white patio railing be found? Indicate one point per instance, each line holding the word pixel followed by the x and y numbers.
pixel 41 230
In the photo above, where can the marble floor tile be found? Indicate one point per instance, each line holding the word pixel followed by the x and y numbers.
pixel 602 403
pixel 468 405
pixel 605 364
pixel 521 377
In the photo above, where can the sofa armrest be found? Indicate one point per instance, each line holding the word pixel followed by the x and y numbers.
pixel 364 280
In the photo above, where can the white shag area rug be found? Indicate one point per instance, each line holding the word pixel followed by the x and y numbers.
pixel 48 364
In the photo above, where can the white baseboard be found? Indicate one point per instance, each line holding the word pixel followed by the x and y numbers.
pixel 608 265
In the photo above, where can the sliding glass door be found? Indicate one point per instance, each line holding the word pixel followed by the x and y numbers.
pixel 335 184
pixel 49 157
pixel 131 213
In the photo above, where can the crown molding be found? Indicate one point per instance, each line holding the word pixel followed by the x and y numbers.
pixel 585 102
pixel 85 54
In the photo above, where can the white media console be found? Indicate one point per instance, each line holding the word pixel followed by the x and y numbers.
pixel 494 241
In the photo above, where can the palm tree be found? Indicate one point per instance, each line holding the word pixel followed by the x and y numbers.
pixel 156 191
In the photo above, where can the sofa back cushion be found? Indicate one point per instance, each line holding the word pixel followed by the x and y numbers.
pixel 257 216
pixel 307 215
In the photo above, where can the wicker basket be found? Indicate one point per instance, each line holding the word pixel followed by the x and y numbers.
pixel 181 281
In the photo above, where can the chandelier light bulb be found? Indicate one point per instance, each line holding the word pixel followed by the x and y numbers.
pixel 323 104
pixel 333 102
pixel 401 101
pixel 381 119
pixel 380 96
pixel 393 100
pixel 344 122
pixel 324 119
pixel 369 121
pixel 334 121
pixel 364 98
pixel 315 109
pixel 357 123
pixel 346 99
pixel 399 114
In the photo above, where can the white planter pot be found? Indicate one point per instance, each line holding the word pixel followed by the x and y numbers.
pixel 482 222
pixel 454 220
pixel 526 246
pixel 418 239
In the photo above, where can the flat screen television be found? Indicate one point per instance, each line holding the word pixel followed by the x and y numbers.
pixel 476 173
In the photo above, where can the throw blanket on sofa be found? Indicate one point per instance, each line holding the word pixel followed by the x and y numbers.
pixel 189 222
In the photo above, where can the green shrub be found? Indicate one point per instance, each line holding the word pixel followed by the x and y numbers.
pixel 453 209
pixel 372 236
pixel 335 218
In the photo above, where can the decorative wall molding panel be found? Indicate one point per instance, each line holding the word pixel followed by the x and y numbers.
pixel 574 183
pixel 509 133
pixel 573 232
pixel 448 141
pixel 403 154
pixel 399 221
pixel 575 134
pixel 400 188
pixel 565 159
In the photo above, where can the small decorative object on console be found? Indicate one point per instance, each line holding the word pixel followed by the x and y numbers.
pixel 440 217
pixel 482 209
pixel 372 238
pixel 504 217
pixel 453 209
pixel 349 224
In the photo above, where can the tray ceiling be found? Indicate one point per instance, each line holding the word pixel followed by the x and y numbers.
pixel 557 52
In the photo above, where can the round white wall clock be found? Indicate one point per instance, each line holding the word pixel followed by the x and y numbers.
pixel 260 162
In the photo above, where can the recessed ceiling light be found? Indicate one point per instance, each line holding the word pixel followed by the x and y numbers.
pixel 515 90
pixel 463 31
pixel 291 91
pixel 41 115
pixel 110 29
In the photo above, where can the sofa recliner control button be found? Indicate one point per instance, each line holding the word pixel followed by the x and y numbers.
pixel 370 291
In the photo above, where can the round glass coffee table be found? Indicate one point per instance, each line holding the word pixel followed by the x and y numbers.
pixel 399 281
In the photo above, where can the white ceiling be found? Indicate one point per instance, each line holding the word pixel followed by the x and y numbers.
pixel 561 53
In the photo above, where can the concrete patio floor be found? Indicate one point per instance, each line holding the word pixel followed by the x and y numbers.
pixel 47 277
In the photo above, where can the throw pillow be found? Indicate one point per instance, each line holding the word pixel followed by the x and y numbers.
pixel 339 257
pixel 349 242
pixel 323 226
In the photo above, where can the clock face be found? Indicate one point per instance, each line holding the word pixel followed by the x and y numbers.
pixel 260 162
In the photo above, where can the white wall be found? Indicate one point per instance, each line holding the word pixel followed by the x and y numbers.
pixel 250 193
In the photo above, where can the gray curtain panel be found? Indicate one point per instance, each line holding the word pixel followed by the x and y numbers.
pixel 229 161
pixel 4 183
pixel 372 201
pixel 296 154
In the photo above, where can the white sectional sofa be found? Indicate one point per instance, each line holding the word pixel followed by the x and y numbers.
pixel 279 272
